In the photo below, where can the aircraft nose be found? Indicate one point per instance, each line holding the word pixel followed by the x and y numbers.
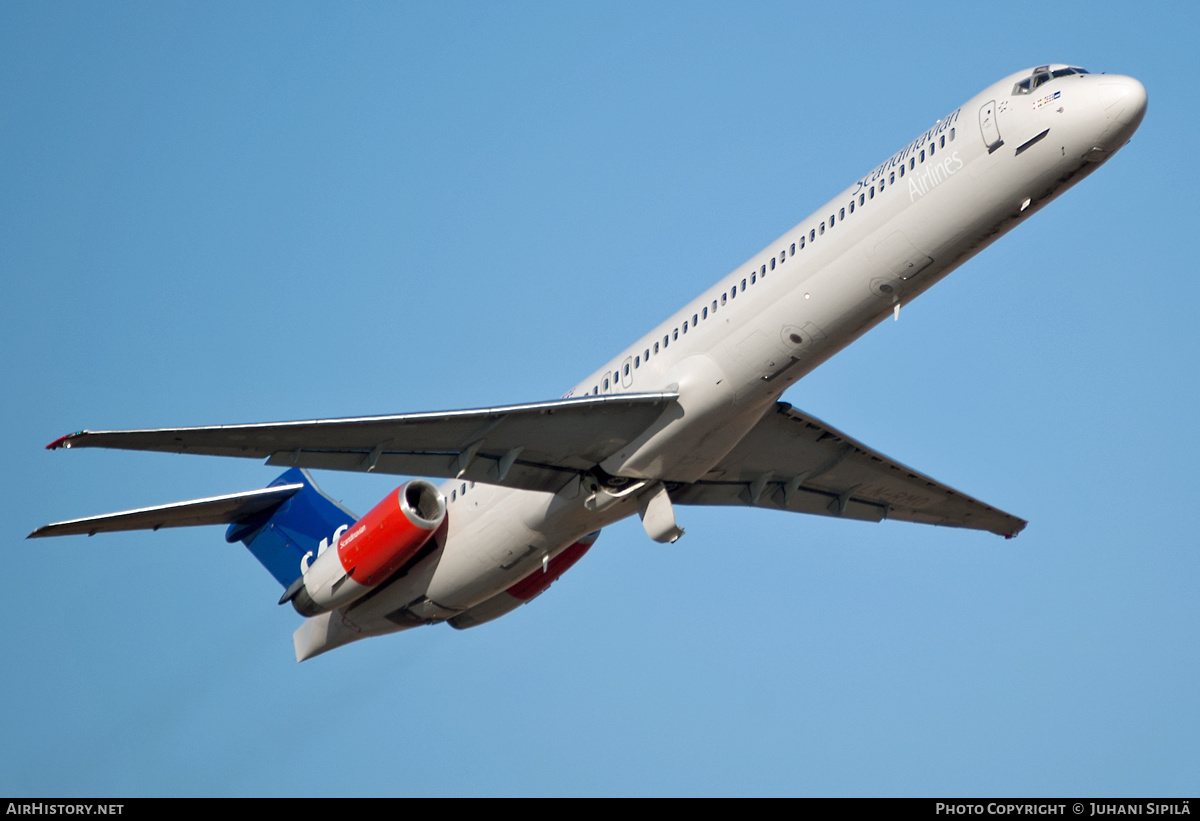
pixel 1124 100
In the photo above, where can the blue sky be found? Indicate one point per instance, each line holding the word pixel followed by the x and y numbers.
pixel 247 212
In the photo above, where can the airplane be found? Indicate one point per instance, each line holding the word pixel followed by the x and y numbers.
pixel 690 414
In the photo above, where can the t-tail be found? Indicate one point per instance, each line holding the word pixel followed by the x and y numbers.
pixel 287 538
pixel 322 555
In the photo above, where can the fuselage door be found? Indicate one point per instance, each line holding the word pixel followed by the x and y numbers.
pixel 989 127
pixel 627 372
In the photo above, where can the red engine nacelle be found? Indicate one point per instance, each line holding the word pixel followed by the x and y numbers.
pixel 371 549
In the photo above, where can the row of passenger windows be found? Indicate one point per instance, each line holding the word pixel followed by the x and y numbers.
pixel 612 381
pixel 461 491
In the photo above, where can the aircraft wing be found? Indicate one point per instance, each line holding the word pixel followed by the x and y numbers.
pixel 538 446
pixel 792 461
pixel 216 510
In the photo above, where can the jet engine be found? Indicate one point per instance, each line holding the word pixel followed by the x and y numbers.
pixel 367 552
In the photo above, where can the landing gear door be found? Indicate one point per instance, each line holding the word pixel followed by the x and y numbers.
pixel 989 127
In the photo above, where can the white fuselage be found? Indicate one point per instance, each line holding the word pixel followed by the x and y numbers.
pixel 732 351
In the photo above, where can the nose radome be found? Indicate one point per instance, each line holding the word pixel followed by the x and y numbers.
pixel 1124 99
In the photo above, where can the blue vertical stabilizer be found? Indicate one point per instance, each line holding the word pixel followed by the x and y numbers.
pixel 280 538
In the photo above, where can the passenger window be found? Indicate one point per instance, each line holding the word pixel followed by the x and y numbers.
pixel 695 320
pixel 912 163
pixel 714 306
pixel 685 326
pixel 942 141
pixel 763 271
pixel 892 178
pixel 851 206
pixel 951 135
pixel 646 355
pixel 743 284
pixel 782 256
pixel 862 199
pixel 932 148
pixel 454 495
pixel 606 383
pixel 872 192
pixel 902 171
pixel 841 213
pixel 724 301
pixel 627 369
pixel 733 291
pixel 637 360
pixel 676 333
pixel 753 278
pixel 656 347
pixel 822 228
pixel 832 220
pixel 793 249
pixel 812 235
pixel 704 313
pixel 922 155
pixel 772 263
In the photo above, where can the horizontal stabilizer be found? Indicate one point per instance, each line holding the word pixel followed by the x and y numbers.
pixel 538 446
pixel 217 510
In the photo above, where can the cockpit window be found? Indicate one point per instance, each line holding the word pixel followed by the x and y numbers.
pixel 1042 75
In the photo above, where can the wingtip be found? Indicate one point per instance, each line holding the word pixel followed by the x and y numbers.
pixel 41 532
pixel 65 441
pixel 1013 533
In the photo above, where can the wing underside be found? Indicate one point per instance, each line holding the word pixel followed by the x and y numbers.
pixel 789 460
pixel 795 462
pixel 538 446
